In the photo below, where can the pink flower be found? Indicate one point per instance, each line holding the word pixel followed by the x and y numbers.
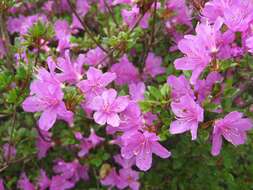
pixel 43 181
pixel 113 180
pixel 126 72
pixel 2 185
pixel 125 163
pixel 142 146
pixel 197 57
pixel 94 138
pixel 137 90
pixel 129 178
pixel 76 24
pixel 43 144
pixel 63 33
pixel 22 24
pixel 249 44
pixel 131 119
pixel 188 114
pixel 47 99
pixel 88 143
pixel 60 183
pixel 9 151
pixel 24 183
pixel 71 72
pixel 82 7
pixel 233 128
pixel 85 144
pixel 149 118
pixel 238 15
pixel 96 82
pixel 198 49
pixel 96 56
pixel 214 9
pixel 153 65
pixel 182 12
pixel 72 171
pixel 107 106
pixel 47 77
pixel 116 2
pixel 179 87
pixel 130 17
pixel 204 87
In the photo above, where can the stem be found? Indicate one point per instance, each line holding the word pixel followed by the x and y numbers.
pixel 111 12
pixel 6 40
pixel 12 132
pixel 110 53
pixel 85 26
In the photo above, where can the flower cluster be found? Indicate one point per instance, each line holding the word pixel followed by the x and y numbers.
pixel 99 96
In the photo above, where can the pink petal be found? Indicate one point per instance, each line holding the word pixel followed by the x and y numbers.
pixel 144 160
pixel 33 104
pixel 47 119
pixel 113 120
pixel 120 104
pixel 100 117
pixel 159 150
pixel 109 96
pixel 177 127
pixel 217 143
pixel 96 103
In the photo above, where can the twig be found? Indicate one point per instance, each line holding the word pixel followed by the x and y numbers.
pixel 12 131
pixel 110 11
pixel 6 40
pixel 25 159
pixel 85 26
pixel 110 53
pixel 153 24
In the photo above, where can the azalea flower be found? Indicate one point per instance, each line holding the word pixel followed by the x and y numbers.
pixel 141 146
pixel 125 163
pixel 188 114
pixel 180 86
pixel 153 65
pixel 233 128
pixel 126 72
pixel 63 33
pixel 72 171
pixel 137 90
pixel 60 183
pixel 24 183
pixel 9 151
pixel 96 56
pixel 130 17
pixel 112 180
pixel 131 119
pixel 203 88
pixel 2 184
pixel 43 144
pixel 129 178
pixel 43 181
pixel 47 99
pixel 71 72
pixel 107 106
pixel 199 49
pixel 96 82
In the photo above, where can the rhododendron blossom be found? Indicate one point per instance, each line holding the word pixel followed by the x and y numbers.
pixel 141 146
pixel 107 106
pixel 92 89
pixel 48 100
pixel 188 114
pixel 233 128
